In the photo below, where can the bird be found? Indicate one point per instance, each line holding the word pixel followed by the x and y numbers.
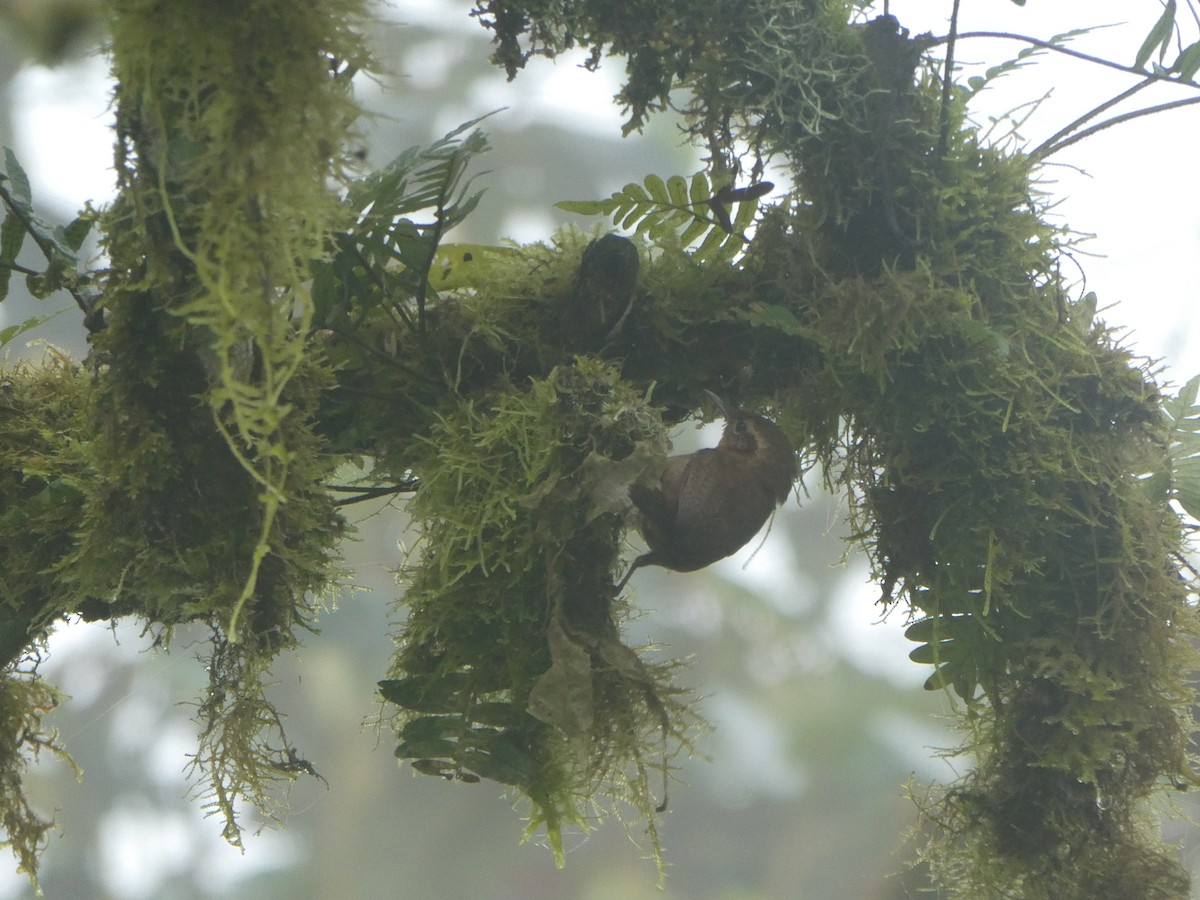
pixel 710 503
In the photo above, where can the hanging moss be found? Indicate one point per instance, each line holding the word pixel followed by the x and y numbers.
pixel 511 665
pixel 24 700
pixel 229 127
pixel 207 498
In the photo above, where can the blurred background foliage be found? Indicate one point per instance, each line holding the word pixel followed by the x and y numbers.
pixel 819 718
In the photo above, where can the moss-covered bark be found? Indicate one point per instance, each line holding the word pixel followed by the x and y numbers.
pixel 900 311
pixel 991 432
pixel 196 478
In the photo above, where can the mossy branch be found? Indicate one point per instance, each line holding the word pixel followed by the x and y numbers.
pixel 901 310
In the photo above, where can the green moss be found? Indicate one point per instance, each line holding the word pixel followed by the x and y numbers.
pixel 208 500
pixel 43 473
pixel 230 127
pixel 43 478
pixel 511 665
pixel 902 312
pixel 24 699
pixel 991 434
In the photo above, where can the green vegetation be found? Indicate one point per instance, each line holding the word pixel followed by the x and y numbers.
pixel 899 310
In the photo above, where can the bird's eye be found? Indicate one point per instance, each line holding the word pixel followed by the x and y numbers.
pixel 741 426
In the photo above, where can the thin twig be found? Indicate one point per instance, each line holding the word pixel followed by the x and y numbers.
pixel 48 250
pixel 361 494
pixel 1116 120
pixel 1058 48
pixel 379 354
pixel 1088 116
pixel 19 269
pixel 947 81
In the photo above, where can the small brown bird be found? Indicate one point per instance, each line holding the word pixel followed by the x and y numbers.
pixel 710 503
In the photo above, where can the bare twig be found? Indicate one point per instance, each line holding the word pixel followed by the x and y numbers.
pixel 1046 146
pixel 1043 152
pixel 947 81
pixel 1058 48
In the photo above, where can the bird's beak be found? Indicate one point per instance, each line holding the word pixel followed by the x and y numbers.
pixel 720 403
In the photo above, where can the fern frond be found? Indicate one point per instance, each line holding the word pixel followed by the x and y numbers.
pixel 694 213
pixel 401 214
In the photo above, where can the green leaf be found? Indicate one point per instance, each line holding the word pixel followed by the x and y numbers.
pixel 1187 485
pixel 1183 453
pixel 1188 62
pixel 711 246
pixel 966 679
pixel 12 238
pixel 677 189
pixel 780 318
pixel 635 193
pixel 14 331
pixel 693 232
pixel 74 234
pixel 744 216
pixel 657 189
pixel 1065 36
pixel 941 678
pixel 731 245
pixel 926 654
pixel 679 209
pixel 501 759
pixel 1177 407
pixel 635 215
pixel 1159 36
pixel 940 628
pixel 59 274
pixel 428 728
pixel 402 212
pixel 588 207
pixel 426 693
pixel 18 179
pixel 501 715
pixel 1025 57
pixel 425 748
pixel 1185 442
pixel 1156 486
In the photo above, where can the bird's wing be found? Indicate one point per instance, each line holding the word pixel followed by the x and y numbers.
pixel 693 483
